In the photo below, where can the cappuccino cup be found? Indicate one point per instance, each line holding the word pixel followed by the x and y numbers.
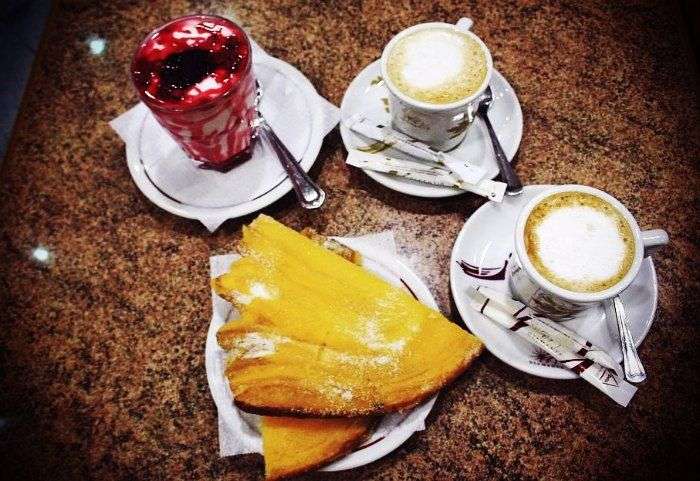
pixel 435 73
pixel 576 246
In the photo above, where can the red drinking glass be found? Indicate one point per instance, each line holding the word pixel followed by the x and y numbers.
pixel 195 74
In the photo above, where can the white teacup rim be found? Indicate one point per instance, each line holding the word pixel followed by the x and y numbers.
pixel 573 296
pixel 426 105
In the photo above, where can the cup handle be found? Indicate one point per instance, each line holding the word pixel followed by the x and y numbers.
pixel 653 240
pixel 464 24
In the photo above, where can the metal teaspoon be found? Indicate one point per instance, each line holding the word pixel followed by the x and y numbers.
pixel 514 186
pixel 308 193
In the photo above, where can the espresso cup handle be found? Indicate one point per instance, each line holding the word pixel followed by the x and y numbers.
pixel 653 240
pixel 464 24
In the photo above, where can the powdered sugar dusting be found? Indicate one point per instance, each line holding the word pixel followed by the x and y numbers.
pixel 258 290
pixel 336 390
pixel 373 338
pixel 359 360
pixel 256 345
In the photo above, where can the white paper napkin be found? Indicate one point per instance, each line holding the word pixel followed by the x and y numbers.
pixel 284 106
pixel 237 436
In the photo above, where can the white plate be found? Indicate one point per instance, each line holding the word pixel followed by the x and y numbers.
pixel 394 429
pixel 369 96
pixel 485 242
pixel 180 187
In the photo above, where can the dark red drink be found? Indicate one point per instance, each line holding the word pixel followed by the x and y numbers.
pixel 195 74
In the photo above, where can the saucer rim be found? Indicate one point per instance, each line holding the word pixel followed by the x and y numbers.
pixel 438 191
pixel 468 319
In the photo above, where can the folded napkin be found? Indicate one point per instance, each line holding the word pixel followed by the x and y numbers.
pixel 237 432
pixel 571 350
pixel 150 146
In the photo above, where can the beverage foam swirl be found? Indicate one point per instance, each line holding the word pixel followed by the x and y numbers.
pixel 437 65
pixel 579 242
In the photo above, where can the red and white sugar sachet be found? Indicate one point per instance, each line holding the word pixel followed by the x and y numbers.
pixel 571 350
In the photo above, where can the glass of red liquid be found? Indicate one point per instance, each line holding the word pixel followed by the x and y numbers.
pixel 195 74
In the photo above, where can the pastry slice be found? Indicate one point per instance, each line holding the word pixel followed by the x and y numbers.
pixel 320 336
pixel 296 445
pixel 293 446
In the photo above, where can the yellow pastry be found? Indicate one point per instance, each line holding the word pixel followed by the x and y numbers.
pixel 295 445
pixel 320 336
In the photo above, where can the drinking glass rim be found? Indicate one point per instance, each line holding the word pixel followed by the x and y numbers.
pixel 573 296
pixel 159 104
pixel 426 105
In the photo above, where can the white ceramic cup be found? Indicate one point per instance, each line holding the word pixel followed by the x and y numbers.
pixel 442 126
pixel 550 300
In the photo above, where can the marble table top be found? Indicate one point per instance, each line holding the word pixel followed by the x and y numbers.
pixel 105 297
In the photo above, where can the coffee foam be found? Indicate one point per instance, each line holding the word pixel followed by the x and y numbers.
pixel 437 65
pixel 579 242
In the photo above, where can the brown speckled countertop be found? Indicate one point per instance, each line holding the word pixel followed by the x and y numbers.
pixel 101 353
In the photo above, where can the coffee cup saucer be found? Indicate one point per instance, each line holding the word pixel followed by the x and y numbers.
pixel 480 256
pixel 368 95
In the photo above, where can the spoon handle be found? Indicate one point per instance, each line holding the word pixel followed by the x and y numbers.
pixel 514 186
pixel 634 370
pixel 309 194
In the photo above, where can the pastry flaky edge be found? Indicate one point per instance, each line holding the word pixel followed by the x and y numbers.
pixel 409 403
pixel 384 410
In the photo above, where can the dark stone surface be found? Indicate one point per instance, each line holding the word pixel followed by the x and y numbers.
pixel 102 351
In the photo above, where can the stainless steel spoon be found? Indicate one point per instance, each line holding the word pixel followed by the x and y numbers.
pixel 634 370
pixel 309 194
pixel 508 175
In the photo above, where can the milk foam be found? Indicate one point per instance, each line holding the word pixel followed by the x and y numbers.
pixel 580 244
pixel 431 58
pixel 437 65
pixel 579 241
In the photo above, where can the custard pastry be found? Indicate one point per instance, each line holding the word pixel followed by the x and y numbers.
pixel 320 336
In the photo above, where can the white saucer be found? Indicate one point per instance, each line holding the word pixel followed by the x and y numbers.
pixel 172 181
pixel 394 429
pixel 486 240
pixel 368 95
